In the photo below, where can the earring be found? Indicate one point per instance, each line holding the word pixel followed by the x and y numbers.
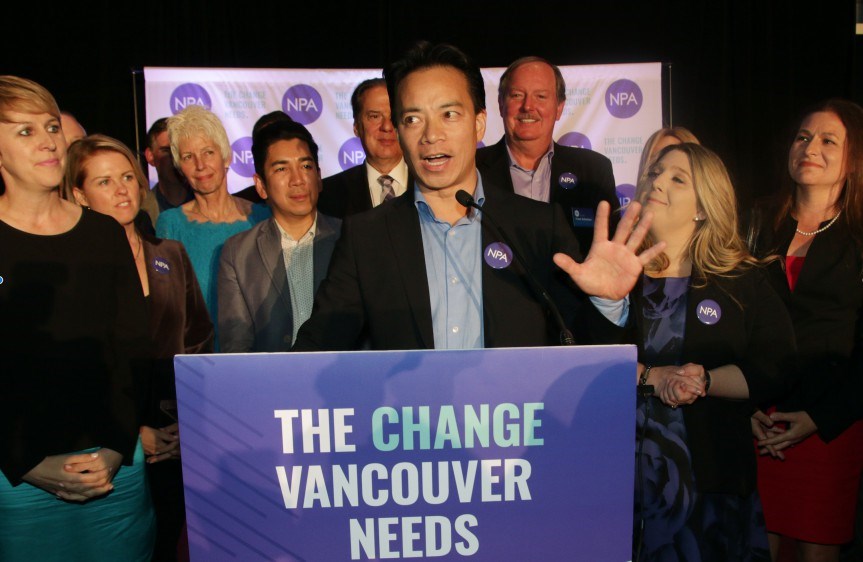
pixel 699 218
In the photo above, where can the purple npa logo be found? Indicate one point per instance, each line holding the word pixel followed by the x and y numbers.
pixel 708 312
pixel 241 157
pixel 576 139
pixel 625 192
pixel 189 94
pixel 567 180
pixel 351 153
pixel 498 255
pixel 161 265
pixel 303 103
pixel 623 98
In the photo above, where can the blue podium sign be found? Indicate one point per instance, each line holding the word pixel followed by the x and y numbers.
pixel 499 454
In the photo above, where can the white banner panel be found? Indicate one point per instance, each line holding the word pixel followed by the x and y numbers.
pixel 611 109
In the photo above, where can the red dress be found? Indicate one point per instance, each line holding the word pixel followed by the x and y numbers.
pixel 812 494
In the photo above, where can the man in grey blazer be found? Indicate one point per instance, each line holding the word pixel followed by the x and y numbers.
pixel 268 275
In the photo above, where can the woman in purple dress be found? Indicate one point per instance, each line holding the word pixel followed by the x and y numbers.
pixel 713 338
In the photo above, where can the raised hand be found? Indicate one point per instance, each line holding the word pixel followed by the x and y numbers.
pixel 612 267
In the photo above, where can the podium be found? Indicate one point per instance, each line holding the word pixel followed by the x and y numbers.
pixel 500 454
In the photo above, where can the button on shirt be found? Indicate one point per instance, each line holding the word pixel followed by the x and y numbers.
pixel 534 184
pixel 299 266
pixel 400 181
pixel 453 259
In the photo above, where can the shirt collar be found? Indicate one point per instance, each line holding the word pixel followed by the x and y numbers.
pixel 549 154
pixel 425 210
pixel 309 233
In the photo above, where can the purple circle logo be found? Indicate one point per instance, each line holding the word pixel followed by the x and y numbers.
pixel 625 192
pixel 161 265
pixel 567 180
pixel 708 312
pixel 497 255
pixel 351 153
pixel 189 94
pixel 241 157
pixel 303 103
pixel 623 98
pixel 575 139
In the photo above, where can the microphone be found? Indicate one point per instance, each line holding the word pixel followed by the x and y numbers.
pixel 466 200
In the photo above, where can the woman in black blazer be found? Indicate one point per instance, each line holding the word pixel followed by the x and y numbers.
pixel 713 341
pixel 816 226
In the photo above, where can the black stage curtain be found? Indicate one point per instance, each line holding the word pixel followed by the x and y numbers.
pixel 742 71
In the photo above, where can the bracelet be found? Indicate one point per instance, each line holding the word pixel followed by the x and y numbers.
pixel 706 381
pixel 643 379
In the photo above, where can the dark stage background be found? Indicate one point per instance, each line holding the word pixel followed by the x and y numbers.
pixel 742 71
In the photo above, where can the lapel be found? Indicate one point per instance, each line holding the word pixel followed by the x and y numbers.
pixel 820 256
pixel 559 165
pixel 270 250
pixel 405 238
pixel 361 198
pixel 496 171
pixel 494 281
pixel 322 248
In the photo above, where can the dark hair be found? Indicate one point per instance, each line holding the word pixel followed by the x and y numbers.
pixel 158 127
pixel 362 88
pixel 271 117
pixel 850 200
pixel 271 133
pixel 426 55
pixel 559 83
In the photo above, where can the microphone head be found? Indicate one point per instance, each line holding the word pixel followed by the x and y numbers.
pixel 464 198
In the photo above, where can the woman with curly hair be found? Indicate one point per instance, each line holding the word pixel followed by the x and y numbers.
pixel 713 340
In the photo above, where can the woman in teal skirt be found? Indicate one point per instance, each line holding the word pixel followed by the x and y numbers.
pixel 74 348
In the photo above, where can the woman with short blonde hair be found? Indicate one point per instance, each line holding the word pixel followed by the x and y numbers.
pixel 73 325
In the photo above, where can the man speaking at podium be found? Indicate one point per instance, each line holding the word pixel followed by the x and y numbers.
pixel 427 272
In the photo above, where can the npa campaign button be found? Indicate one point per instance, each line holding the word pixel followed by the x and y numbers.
pixel 708 312
pixel 161 265
pixel 567 180
pixel 498 255
pixel 583 217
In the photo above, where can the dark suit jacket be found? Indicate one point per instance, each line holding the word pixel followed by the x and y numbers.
pixel 754 332
pixel 179 322
pixel 347 193
pixel 254 297
pixel 595 183
pixel 826 308
pixel 377 284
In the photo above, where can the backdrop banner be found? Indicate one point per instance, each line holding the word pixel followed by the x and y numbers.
pixel 611 109
pixel 501 454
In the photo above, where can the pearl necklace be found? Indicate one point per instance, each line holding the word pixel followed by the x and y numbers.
pixel 820 230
